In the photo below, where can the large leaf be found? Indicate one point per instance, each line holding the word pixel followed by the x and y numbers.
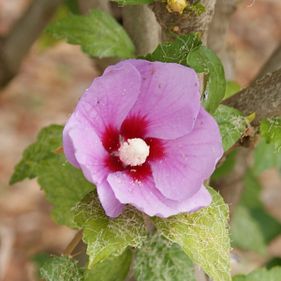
pixel 60 269
pixel 48 140
pixel 231 123
pixel 271 131
pixel 204 60
pixel 132 2
pixel 274 274
pixel 64 186
pixel 245 231
pixel 203 236
pixel 161 260
pixel 175 51
pixel 107 237
pixel 98 34
pixel 113 269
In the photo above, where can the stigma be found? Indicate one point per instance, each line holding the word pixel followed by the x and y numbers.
pixel 133 152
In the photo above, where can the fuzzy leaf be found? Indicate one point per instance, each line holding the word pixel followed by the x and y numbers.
pixel 203 236
pixel 231 123
pixel 98 34
pixel 274 274
pixel 271 130
pixel 64 186
pixel 161 260
pixel 175 51
pixel 48 140
pixel 133 2
pixel 113 269
pixel 231 88
pixel 107 237
pixel 204 60
pixel 60 269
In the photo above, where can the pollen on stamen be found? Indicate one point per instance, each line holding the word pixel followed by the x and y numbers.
pixel 134 152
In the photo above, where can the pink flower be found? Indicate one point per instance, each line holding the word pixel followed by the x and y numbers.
pixel 141 136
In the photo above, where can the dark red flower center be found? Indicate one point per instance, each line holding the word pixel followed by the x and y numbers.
pixel 134 127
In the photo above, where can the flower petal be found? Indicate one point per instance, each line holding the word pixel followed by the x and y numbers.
pixel 169 98
pixel 188 160
pixel 113 208
pixel 110 97
pixel 89 153
pixel 145 197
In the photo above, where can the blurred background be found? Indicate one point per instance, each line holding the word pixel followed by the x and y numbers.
pixel 48 85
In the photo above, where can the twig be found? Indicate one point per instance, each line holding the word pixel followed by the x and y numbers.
pixel 15 46
pixel 262 97
pixel 175 23
pixel 143 28
pixel 73 243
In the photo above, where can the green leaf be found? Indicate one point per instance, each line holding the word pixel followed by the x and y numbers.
pixel 265 157
pixel 107 237
pixel 113 269
pixel 73 6
pixel 204 60
pixel 245 231
pixel 226 167
pixel 231 88
pixel 64 186
pixel 274 274
pixel 133 2
pixel 98 34
pixel 61 269
pixel 48 140
pixel 231 123
pixel 252 227
pixel 161 260
pixel 203 236
pixel 175 51
pixel 271 130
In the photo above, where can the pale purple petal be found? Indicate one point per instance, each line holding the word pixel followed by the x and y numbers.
pixel 113 208
pixel 189 160
pixel 145 197
pixel 169 98
pixel 90 154
pixel 110 97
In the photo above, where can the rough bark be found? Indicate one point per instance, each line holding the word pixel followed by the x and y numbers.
pixel 175 23
pixel 143 28
pixel 262 97
pixel 273 63
pixel 15 46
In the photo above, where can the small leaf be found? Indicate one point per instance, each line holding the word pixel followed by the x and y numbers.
pixel 245 231
pixel 133 2
pixel 274 274
pixel 60 269
pixel 266 157
pixel 175 51
pixel 98 34
pixel 203 236
pixel 161 260
pixel 231 89
pixel 231 123
pixel 64 186
pixel 107 237
pixel 271 130
pixel 113 269
pixel 204 60
pixel 48 140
